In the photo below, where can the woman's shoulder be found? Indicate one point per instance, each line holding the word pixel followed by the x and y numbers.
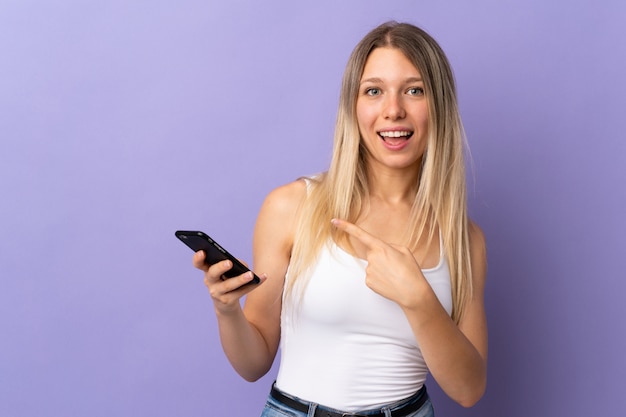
pixel 478 251
pixel 476 235
pixel 276 221
pixel 282 204
pixel 287 197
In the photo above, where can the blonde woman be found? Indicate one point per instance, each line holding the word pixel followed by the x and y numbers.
pixel 372 273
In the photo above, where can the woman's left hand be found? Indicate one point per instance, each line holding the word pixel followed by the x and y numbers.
pixel 392 270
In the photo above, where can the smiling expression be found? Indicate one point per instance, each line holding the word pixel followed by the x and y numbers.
pixel 392 110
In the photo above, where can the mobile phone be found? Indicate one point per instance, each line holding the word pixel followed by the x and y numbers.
pixel 197 240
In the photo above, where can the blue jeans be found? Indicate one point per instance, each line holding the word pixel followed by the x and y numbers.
pixel 274 408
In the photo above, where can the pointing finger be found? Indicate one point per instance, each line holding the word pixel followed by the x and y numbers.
pixel 355 231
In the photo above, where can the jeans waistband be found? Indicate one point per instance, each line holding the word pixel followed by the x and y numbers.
pixel 412 404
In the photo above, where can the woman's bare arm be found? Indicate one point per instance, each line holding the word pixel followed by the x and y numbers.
pixel 250 336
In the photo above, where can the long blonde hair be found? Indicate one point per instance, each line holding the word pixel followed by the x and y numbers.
pixel 440 201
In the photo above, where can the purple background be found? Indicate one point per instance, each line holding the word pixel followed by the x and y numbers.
pixel 122 121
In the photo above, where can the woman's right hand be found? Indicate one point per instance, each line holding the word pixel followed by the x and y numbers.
pixel 225 293
pixel 250 335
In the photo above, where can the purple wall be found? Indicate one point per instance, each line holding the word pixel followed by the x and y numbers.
pixel 121 122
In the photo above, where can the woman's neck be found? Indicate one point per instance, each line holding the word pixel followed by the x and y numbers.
pixel 393 186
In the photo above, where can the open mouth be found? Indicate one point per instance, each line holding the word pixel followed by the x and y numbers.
pixel 396 136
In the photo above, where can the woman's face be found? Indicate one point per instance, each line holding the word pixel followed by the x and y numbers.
pixel 392 111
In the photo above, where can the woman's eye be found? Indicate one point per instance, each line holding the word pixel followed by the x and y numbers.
pixel 416 91
pixel 372 92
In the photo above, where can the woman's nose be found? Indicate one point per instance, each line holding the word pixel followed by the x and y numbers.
pixel 394 108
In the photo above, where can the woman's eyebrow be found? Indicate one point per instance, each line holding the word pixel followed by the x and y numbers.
pixel 371 80
pixel 379 80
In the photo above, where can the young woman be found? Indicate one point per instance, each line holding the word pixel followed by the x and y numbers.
pixel 372 273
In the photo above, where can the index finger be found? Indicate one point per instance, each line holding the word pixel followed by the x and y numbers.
pixel 355 231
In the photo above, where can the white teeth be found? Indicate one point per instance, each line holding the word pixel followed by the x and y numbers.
pixel 394 134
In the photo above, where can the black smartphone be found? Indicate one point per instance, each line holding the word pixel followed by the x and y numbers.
pixel 197 240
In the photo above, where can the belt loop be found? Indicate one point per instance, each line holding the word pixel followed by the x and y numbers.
pixel 387 411
pixel 312 408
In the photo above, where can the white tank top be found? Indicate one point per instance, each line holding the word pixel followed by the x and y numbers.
pixel 347 347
